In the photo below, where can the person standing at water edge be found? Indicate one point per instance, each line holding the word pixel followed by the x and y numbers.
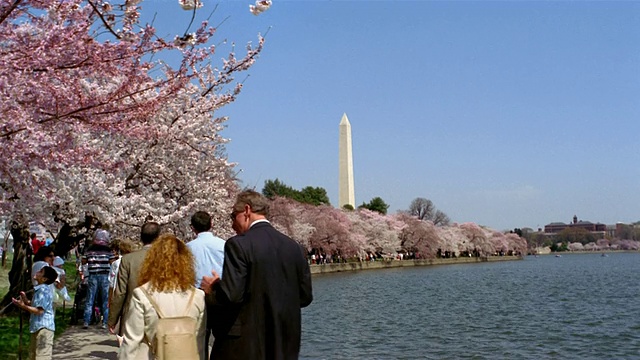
pixel 266 281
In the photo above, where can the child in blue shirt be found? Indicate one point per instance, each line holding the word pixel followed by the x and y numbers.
pixel 41 321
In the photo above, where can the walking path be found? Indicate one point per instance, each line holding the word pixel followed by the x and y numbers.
pixel 77 343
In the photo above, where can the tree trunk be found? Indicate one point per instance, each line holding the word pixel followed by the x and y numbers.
pixel 65 241
pixel 71 236
pixel 20 274
pixel 5 248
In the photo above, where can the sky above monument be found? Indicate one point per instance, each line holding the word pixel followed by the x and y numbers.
pixel 507 114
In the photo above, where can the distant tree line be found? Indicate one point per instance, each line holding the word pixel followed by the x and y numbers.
pixel 422 230
pixel 574 239
pixel 308 195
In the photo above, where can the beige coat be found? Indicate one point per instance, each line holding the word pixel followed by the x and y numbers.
pixel 127 280
pixel 141 320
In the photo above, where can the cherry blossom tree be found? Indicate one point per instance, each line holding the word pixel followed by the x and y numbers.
pixel 453 239
pixel 602 243
pixel 418 236
pixel 179 171
pixel 516 243
pixel 478 239
pixel 98 130
pixel 318 228
pixel 626 245
pixel 283 214
pixel 79 79
pixel 498 240
pixel 331 234
pixel 380 231
pixel 575 246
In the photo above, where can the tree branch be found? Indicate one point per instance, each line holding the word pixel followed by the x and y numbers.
pixel 13 6
pixel 104 21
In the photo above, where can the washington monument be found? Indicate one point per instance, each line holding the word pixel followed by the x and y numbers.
pixel 345 181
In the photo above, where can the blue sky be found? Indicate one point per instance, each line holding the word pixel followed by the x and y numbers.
pixel 507 114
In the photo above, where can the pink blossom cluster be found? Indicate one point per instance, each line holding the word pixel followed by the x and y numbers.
pixel 260 7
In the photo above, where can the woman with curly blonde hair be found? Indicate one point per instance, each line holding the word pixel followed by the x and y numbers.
pixel 167 279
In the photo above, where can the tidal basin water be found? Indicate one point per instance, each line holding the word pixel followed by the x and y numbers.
pixel 578 306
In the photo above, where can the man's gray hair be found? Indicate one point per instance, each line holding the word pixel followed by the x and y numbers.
pixel 259 204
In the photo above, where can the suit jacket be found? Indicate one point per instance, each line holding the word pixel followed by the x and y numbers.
pixel 265 283
pixel 142 319
pixel 127 281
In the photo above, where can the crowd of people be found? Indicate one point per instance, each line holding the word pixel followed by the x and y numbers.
pixel 166 299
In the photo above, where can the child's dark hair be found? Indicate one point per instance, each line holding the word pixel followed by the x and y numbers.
pixel 50 274
pixel 42 253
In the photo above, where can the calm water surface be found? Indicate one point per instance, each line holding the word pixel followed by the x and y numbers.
pixel 578 306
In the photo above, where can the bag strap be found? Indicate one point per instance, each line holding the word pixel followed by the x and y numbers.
pixel 157 308
pixel 186 310
pixel 153 303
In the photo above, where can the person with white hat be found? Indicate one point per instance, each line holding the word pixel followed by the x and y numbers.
pixel 60 282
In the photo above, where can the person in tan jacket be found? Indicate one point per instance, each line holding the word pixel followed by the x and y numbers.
pixel 167 277
pixel 127 279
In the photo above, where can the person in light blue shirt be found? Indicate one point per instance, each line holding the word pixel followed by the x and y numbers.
pixel 208 252
pixel 41 322
pixel 207 249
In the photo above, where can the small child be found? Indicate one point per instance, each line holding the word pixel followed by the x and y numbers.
pixel 41 321
pixel 61 287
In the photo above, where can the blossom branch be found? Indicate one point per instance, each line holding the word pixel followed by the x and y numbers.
pixel 104 21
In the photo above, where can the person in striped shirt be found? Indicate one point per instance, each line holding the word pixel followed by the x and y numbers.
pixel 98 258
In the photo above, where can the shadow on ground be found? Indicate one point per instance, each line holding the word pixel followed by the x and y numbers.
pixel 78 343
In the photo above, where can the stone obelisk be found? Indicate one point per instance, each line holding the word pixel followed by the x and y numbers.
pixel 345 181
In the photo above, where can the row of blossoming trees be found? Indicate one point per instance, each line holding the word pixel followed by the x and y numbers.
pixel 97 129
pixel 329 230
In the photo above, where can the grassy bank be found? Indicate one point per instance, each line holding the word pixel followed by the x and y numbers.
pixel 10 341
pixel 4 275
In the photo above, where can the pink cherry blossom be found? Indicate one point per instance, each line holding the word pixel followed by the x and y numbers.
pixel 260 7
pixel 94 121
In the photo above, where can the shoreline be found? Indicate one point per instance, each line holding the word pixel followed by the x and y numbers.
pixel 388 264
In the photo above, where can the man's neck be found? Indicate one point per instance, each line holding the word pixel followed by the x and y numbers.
pixel 258 220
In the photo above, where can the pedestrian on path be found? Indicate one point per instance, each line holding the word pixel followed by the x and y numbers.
pixel 98 259
pixel 168 287
pixel 127 278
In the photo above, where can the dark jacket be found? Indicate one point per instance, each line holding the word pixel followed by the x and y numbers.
pixel 265 282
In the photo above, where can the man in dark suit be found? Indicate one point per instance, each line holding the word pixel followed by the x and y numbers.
pixel 266 280
pixel 127 280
